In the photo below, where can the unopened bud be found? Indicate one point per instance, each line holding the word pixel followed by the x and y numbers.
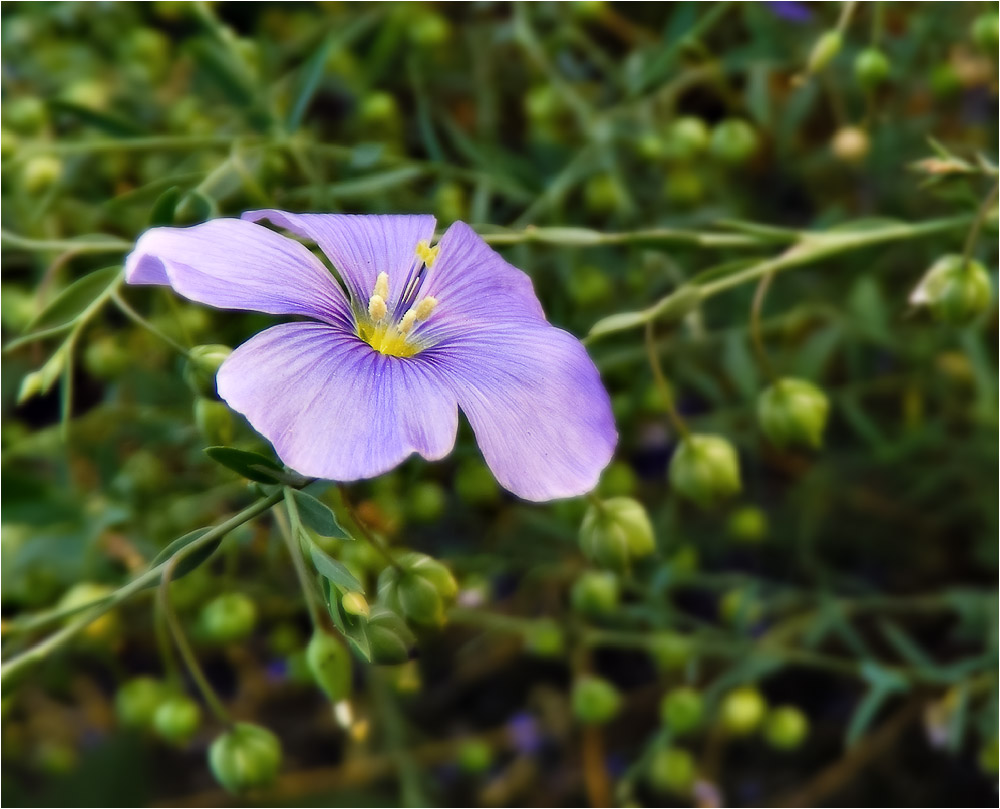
pixel 389 638
pixel 826 47
pixel 705 469
pixel 245 757
pixel 682 710
pixel 616 531
pixel 793 412
pixel 214 420
pixel 733 141
pixel 228 618
pixel 202 365
pixel 177 720
pixel 871 68
pixel 955 291
pixel 671 770
pixel 786 728
pixel 596 593
pixel 419 588
pixel 595 701
pixel 850 144
pixel 330 664
pixel 743 710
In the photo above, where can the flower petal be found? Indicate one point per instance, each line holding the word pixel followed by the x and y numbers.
pixel 536 403
pixel 360 247
pixel 332 406
pixel 232 264
pixel 473 284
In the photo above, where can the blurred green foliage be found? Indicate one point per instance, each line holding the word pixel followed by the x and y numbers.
pixel 837 610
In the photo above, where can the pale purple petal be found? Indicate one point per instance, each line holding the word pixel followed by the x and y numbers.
pixel 473 284
pixel 232 264
pixel 536 403
pixel 333 407
pixel 360 247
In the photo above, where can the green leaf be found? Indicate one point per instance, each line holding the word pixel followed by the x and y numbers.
pixel 333 570
pixel 105 121
pixel 194 559
pixel 251 465
pixel 69 304
pixel 163 209
pixel 40 382
pixel 352 627
pixel 318 516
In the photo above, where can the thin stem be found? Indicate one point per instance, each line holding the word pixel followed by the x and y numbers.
pixel 977 224
pixel 845 16
pixel 184 646
pixel 366 534
pixel 756 335
pixel 878 21
pixel 146 579
pixel 133 315
pixel 108 244
pixel 290 530
pixel 661 382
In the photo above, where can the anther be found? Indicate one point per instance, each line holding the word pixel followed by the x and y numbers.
pixel 423 309
pixel 382 286
pixel 406 324
pixel 426 253
pixel 376 307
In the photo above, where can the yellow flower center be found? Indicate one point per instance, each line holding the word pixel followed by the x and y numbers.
pixel 381 329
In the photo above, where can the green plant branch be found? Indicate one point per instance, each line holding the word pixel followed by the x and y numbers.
pixel 93 611
pixel 661 383
pixel 290 529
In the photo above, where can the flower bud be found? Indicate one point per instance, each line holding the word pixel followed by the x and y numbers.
pixel 330 664
pixel 379 108
pixel 202 365
pixel 793 412
pixel 544 638
pixel 616 531
pixel 40 172
pixel 596 593
pixel 825 48
pixel 355 604
pixel 705 468
pixel 986 32
pixel 748 524
pixel 681 710
pixel 850 144
pixel 871 68
pixel 733 141
pixel 686 138
pixel 956 292
pixel 419 588
pixel 245 757
pixel 786 727
pixel 228 618
pixel 671 770
pixel 177 719
pixel 389 638
pixel 475 756
pixel 743 710
pixel 595 701
pixel 214 420
pixel 670 650
pixel 137 700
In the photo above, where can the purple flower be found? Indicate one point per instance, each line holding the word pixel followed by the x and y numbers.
pixel 382 365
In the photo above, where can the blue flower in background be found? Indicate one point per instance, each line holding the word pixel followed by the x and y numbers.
pixel 383 364
pixel 792 11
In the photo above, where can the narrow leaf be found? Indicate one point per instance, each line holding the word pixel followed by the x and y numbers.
pixel 69 304
pixel 318 516
pixel 193 560
pixel 250 465
pixel 333 570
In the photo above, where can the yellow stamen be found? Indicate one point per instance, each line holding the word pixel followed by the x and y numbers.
pixel 382 286
pixel 426 253
pixel 377 308
pixel 423 309
pixel 406 324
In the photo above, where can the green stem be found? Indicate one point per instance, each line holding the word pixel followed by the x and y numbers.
pixel 366 534
pixel 184 646
pixel 756 334
pixel 150 577
pixel 662 384
pixel 133 315
pixel 984 209
pixel 290 530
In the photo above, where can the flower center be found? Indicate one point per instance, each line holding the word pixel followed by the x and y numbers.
pixel 389 332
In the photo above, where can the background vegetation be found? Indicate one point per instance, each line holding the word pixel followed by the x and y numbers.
pixel 825 635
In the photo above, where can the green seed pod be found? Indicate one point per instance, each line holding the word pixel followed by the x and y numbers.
pixel 137 700
pixel 956 292
pixel 330 664
pixel 475 756
pixel 544 638
pixel 429 30
pixel 671 770
pixel 733 141
pixel 686 138
pixel 748 524
pixel 670 650
pixel 420 589
pixel 379 108
pixel 743 710
pixel 824 50
pixel 228 618
pixel 786 728
pixel 595 701
pixel 177 720
pixel 389 637
pixel 616 531
pixel 705 469
pixel 214 420
pixel 603 194
pixel 986 32
pixel 40 172
pixel 871 68
pixel 793 412
pixel 27 114
pixel 596 593
pixel 682 710
pixel 739 608
pixel 245 757
pixel 202 366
